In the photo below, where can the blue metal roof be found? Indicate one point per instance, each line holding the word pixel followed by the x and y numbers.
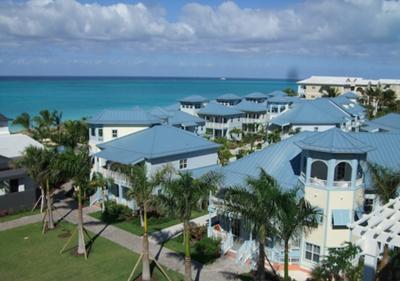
pixel 311 112
pixel 217 109
pixel 194 99
pixel 282 160
pixel 347 105
pixel 160 112
pixel 247 106
pixel 277 94
pixel 350 95
pixel 334 141
pixel 389 122
pixel 256 95
pixel 155 142
pixel 284 99
pixel 181 118
pixel 341 217
pixel 136 116
pixel 228 97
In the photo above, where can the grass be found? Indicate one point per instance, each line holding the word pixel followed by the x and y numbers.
pixel 154 224
pixel 176 245
pixel 19 214
pixel 26 254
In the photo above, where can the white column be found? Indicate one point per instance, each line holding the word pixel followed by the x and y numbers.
pixel 209 229
pixel 354 166
pixel 308 170
pixel 331 172
pixel 371 252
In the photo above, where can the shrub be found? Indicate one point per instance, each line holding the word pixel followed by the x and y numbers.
pixel 198 232
pixel 115 212
pixel 207 250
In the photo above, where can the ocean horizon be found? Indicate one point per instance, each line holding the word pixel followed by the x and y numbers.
pixel 84 96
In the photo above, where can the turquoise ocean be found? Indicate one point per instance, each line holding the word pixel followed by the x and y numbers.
pixel 80 97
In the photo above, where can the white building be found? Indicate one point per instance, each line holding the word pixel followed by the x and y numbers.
pixel 310 87
pixel 192 104
pixel 153 147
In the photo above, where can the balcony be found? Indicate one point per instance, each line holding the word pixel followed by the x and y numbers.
pixel 335 184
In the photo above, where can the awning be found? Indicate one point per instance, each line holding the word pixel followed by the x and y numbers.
pixel 341 217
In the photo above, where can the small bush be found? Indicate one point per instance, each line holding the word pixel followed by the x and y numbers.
pixel 115 212
pixel 198 232
pixel 207 250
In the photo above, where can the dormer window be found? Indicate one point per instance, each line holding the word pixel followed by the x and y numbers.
pixel 115 133
pixel 182 164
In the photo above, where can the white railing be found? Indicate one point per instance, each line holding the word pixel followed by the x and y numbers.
pixel 318 181
pixel 245 251
pixel 115 175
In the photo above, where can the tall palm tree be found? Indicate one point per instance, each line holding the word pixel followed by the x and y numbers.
pixel 295 217
pixel 141 190
pixel 41 165
pixel 180 196
pixel 329 92
pixel 77 165
pixel 44 119
pixel 257 203
pixel 23 120
pixel 56 117
pixel 102 182
pixel 386 183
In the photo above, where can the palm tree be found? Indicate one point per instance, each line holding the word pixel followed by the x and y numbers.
pixel 379 99
pixel 23 120
pixel 386 183
pixel 102 182
pixel 295 217
pixel 274 136
pixel 328 91
pixel 180 196
pixel 56 117
pixel 77 165
pixel 41 165
pixel 258 203
pixel 141 190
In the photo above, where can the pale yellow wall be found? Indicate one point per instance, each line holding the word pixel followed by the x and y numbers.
pixel 122 131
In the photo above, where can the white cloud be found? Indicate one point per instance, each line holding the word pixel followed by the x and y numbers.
pixel 348 27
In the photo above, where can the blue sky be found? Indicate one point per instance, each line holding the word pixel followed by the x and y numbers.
pixel 264 39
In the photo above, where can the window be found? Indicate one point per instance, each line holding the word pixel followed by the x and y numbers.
pixel 368 205
pixel 312 252
pixel 183 164
pixel 92 132
pixel 100 133
pixel 316 129
pixel 115 133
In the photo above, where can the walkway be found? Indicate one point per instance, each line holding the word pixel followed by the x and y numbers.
pixel 223 269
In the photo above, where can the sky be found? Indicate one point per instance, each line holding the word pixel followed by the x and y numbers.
pixel 203 38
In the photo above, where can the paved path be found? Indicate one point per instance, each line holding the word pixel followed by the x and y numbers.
pixel 223 269
pixel 169 232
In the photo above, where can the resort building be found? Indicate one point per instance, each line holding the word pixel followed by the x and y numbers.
pixel 153 147
pixel 17 190
pixel 229 99
pixel 254 116
pixel 220 120
pixel 192 104
pixel 331 169
pixel 387 123
pixel 112 124
pixel 310 88
pixel 320 115
pixel 256 97
pixel 279 104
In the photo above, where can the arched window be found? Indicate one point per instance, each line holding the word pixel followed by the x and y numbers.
pixel 343 172
pixel 319 170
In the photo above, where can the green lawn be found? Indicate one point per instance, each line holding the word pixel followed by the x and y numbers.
pixel 19 215
pixel 155 224
pixel 26 254
pixel 176 245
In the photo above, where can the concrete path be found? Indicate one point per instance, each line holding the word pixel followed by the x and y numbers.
pixel 223 269
pixel 167 233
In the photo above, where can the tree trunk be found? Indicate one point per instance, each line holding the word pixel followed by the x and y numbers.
pixel 286 269
pixel 50 221
pixel 260 273
pixel 141 217
pixel 385 258
pixel 188 261
pixel 146 259
pixel 81 237
pixel 103 200
pixel 42 199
